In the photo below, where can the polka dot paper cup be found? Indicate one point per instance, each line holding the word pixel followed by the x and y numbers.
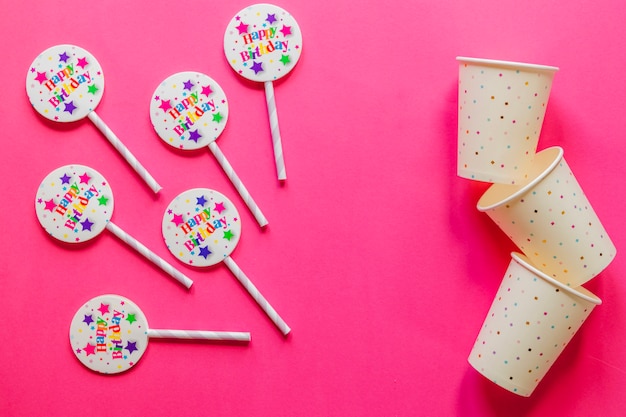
pixel 532 319
pixel 551 221
pixel 501 110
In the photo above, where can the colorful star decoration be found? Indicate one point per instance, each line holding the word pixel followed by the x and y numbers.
pixel 131 318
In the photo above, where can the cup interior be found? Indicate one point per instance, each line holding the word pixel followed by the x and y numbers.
pixel 498 194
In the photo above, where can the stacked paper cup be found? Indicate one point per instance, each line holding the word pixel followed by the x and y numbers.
pixel 537 202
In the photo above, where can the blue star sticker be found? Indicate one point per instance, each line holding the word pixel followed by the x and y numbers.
pixel 204 252
pixel 201 201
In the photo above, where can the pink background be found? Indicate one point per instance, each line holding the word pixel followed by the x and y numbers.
pixel 374 255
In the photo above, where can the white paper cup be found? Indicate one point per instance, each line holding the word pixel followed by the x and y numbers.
pixel 532 318
pixel 551 221
pixel 501 110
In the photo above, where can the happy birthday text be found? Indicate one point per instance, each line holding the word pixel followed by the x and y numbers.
pixel 114 335
pixel 199 228
pixel 266 44
pixel 76 203
pixel 64 82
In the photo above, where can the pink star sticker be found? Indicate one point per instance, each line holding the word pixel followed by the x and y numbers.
pixel 207 90
pixel 178 219
pixel 286 30
pixel 242 28
pixel 84 179
pixel 90 349
pixel 82 62
pixel 219 207
pixel 50 205
pixel 104 308
pixel 165 105
pixel 41 77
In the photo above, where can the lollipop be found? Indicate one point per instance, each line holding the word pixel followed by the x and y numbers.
pixel 201 227
pixel 74 204
pixel 189 111
pixel 263 43
pixel 109 334
pixel 65 84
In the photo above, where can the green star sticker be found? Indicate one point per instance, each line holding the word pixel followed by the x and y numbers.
pixel 285 59
pixel 92 89
pixel 131 318
pixel 217 117
pixel 228 235
pixel 102 201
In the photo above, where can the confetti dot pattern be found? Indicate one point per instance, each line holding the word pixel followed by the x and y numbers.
pixel 109 334
pixel 65 83
pixel 74 203
pixel 189 110
pixel 501 111
pixel 263 42
pixel 551 221
pixel 201 227
pixel 532 319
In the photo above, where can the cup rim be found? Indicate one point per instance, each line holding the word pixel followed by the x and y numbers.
pixel 580 292
pixel 507 64
pixel 525 188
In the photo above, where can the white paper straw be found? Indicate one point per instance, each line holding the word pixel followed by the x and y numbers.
pixel 258 297
pixel 273 115
pixel 123 150
pixel 198 335
pixel 243 192
pixel 151 256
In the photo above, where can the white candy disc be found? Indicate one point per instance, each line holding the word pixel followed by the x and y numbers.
pixel 201 227
pixel 263 42
pixel 65 83
pixel 189 110
pixel 74 203
pixel 109 334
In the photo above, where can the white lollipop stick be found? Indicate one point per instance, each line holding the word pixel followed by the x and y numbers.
pixel 151 256
pixel 274 127
pixel 199 335
pixel 123 150
pixel 243 192
pixel 258 297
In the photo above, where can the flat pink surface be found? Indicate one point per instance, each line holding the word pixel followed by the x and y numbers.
pixel 375 254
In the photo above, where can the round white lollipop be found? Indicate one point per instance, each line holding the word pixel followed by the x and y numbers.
pixel 74 203
pixel 110 333
pixel 201 227
pixel 65 83
pixel 189 111
pixel 262 43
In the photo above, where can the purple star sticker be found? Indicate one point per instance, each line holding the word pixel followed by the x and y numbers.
pixel 70 107
pixel 65 179
pixel 194 135
pixel 88 319
pixel 204 252
pixel 257 67
pixel 63 57
pixel 271 18
pixel 86 225
pixel 131 347
pixel 188 85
